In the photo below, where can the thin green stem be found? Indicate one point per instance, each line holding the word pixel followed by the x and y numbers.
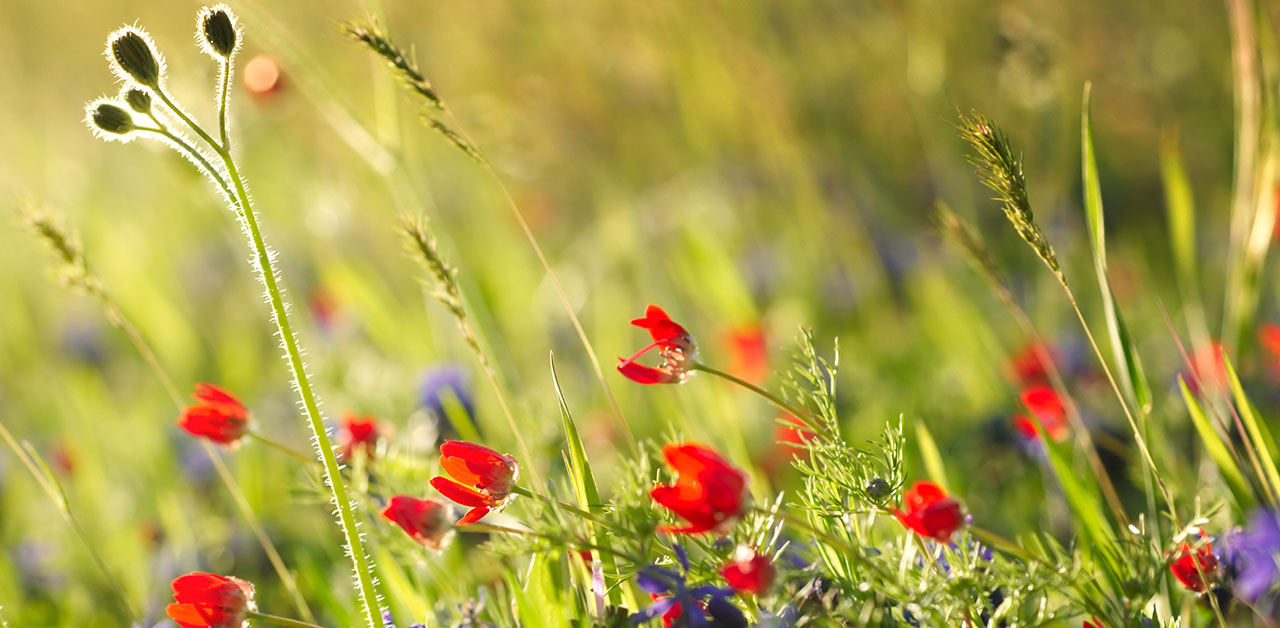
pixel 594 517
pixel 857 554
pixel 196 128
pixel 297 455
pixel 774 399
pixel 332 472
pixel 224 102
pixel 281 621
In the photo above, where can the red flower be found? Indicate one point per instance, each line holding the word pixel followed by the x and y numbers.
pixel 426 520
pixel 1046 406
pixel 484 478
pixel 930 512
pixel 749 571
pixel 709 493
pixel 206 600
pixel 357 432
pixel 749 351
pixel 1269 336
pixel 1193 567
pixel 671 340
pixel 1031 364
pixel 219 416
pixel 1095 623
pixel 1208 369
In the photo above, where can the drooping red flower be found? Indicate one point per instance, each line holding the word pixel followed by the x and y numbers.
pixel 748 571
pixel 205 600
pixel 483 477
pixel 1043 402
pixel 749 353
pixel 218 417
pixel 709 493
pixel 357 433
pixel 678 350
pixel 1193 567
pixel 929 512
pixel 425 520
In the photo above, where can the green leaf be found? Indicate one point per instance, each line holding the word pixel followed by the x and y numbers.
pixel 1181 209
pixel 932 457
pixel 584 485
pixel 1132 378
pixel 1218 451
pixel 1086 505
pixel 1259 436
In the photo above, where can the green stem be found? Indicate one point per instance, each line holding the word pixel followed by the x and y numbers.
pixel 332 472
pixel 283 448
pixel 594 517
pixel 774 399
pixel 281 621
pixel 857 554
pixel 224 82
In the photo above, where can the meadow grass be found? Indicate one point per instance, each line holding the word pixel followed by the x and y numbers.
pixel 470 203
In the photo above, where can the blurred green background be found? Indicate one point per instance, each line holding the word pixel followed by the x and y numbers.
pixel 747 166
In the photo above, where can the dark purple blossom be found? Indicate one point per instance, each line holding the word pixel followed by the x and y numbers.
pixel 1251 555
pixel 678 604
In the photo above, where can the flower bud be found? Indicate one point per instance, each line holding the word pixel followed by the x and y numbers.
pixel 134 57
pixel 878 488
pixel 112 118
pixel 139 100
pixel 218 31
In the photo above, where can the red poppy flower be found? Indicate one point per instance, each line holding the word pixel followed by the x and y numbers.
pixel 930 512
pixel 1209 369
pixel 425 520
pixel 1269 337
pixel 749 351
pixel 1031 364
pixel 206 600
pixel 357 432
pixel 1046 406
pixel 1095 623
pixel 484 478
pixel 749 571
pixel 219 416
pixel 709 493
pixel 1193 567
pixel 676 346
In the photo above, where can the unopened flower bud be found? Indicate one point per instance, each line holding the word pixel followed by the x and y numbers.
pixel 112 119
pixel 134 56
pixel 878 488
pixel 218 31
pixel 139 100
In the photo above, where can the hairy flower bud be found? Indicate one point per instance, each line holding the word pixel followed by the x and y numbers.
pixel 139 100
pixel 218 31
pixel 134 57
pixel 112 118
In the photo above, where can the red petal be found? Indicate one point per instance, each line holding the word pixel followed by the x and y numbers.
pixel 219 397
pixel 642 374
pixel 464 495
pixel 661 328
pixel 474 464
pixel 189 616
pixel 475 515
pixel 922 494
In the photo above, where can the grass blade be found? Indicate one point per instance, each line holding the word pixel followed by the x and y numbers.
pixel 584 485
pixel 1132 378
pixel 1258 435
pixel 932 457
pixel 1218 451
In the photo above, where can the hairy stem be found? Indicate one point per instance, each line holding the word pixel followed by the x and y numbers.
pixel 324 448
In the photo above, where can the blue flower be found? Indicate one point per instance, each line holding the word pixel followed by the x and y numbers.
pixel 1251 554
pixel 445 384
pixel 688 606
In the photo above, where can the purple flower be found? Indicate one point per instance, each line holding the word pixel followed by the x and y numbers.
pixel 685 606
pixel 1251 554
pixel 442 386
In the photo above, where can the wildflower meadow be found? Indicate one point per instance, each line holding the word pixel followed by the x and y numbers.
pixel 802 313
